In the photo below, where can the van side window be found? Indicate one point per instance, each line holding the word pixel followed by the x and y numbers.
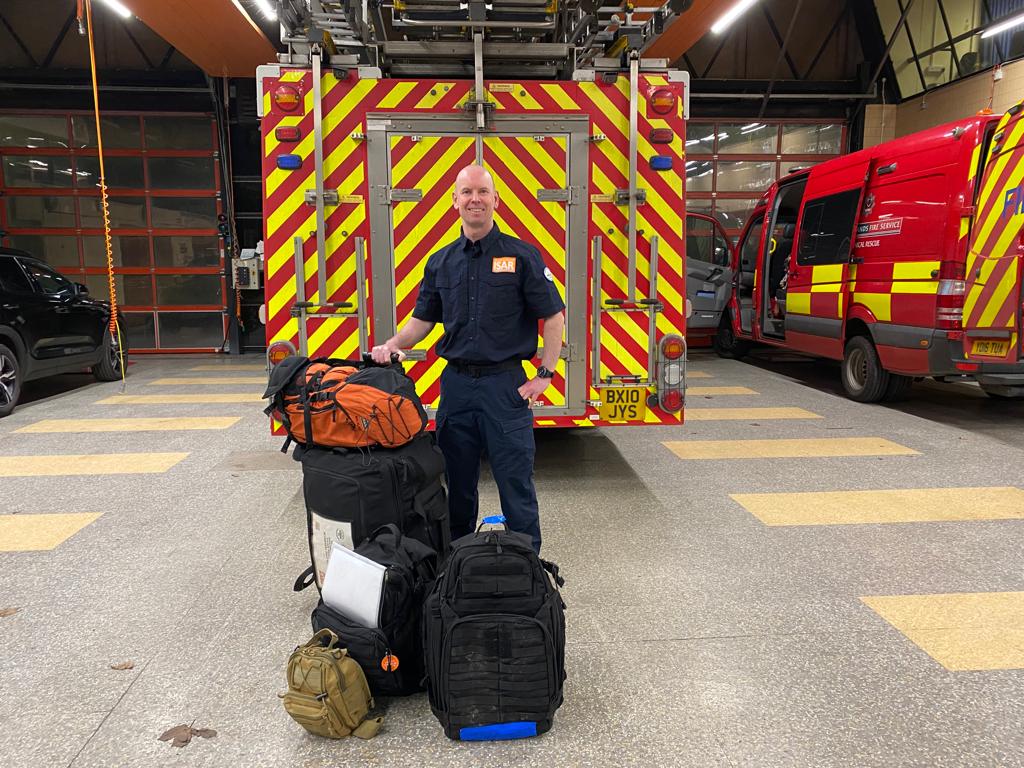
pixel 751 246
pixel 704 243
pixel 826 232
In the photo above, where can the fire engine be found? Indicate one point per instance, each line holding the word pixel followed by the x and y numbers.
pixel 373 110
pixel 901 260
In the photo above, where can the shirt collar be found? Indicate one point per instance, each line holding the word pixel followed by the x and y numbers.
pixel 486 242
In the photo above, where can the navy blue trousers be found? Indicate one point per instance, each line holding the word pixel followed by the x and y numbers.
pixel 480 416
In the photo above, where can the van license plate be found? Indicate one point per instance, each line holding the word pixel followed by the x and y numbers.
pixel 623 404
pixel 993 348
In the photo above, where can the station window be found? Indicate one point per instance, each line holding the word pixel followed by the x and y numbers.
pixel 730 164
pixel 163 180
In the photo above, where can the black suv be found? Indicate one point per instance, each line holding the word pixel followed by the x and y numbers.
pixel 50 325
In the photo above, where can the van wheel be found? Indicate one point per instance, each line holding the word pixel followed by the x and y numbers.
pixel 10 381
pixel 725 342
pixel 864 378
pixel 114 348
pixel 898 388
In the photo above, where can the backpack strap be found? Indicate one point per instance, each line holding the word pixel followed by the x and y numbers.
pixel 392 528
pixel 369 728
pixel 551 568
pixel 305 579
pixel 320 637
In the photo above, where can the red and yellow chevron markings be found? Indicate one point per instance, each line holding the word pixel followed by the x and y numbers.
pixel 521 165
pixel 993 264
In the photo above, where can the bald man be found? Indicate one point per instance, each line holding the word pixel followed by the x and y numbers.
pixel 489 290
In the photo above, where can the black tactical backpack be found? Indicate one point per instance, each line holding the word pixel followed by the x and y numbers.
pixel 391 655
pixel 494 639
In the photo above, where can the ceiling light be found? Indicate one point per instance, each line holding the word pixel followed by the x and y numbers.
pixel 727 18
pixel 267 9
pixel 118 8
pixel 1004 25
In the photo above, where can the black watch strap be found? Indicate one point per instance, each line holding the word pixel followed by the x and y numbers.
pixel 545 373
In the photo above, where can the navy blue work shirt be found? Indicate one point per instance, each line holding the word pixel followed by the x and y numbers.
pixel 488 295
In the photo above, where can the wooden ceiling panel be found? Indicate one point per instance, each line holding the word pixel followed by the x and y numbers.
pixel 687 29
pixel 216 35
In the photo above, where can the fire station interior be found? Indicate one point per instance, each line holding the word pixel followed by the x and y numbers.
pixel 773 554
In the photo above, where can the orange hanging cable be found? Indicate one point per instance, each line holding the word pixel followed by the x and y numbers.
pixel 115 329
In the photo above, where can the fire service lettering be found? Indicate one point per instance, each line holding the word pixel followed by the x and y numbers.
pixel 1013 202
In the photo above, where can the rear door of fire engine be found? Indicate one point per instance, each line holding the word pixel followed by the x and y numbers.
pixel 992 306
pixel 540 174
pixel 817 292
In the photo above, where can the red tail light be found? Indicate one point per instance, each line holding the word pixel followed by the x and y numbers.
pixel 672 400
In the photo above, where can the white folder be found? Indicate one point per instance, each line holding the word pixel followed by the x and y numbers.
pixel 353 586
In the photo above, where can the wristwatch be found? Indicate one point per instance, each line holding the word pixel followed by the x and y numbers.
pixel 544 373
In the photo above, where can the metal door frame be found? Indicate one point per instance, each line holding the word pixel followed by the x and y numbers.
pixel 380 128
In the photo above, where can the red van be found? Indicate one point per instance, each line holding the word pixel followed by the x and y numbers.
pixel 863 259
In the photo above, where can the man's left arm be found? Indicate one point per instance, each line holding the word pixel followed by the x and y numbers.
pixel 554 326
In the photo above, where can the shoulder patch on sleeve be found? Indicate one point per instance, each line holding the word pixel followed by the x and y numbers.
pixel 548 275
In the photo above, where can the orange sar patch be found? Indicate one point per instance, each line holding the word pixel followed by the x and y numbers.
pixel 503 264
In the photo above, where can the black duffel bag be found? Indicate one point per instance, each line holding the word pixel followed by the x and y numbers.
pixel 351 493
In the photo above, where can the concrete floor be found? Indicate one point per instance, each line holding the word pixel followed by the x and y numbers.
pixel 697 634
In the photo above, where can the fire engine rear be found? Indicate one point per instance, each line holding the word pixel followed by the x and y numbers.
pixel 372 112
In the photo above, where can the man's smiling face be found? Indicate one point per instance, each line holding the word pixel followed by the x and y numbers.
pixel 475 198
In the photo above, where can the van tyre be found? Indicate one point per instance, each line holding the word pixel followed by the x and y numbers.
pixel 725 342
pixel 10 380
pixel 898 388
pixel 114 350
pixel 864 378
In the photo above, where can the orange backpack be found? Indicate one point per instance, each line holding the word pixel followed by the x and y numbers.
pixel 339 404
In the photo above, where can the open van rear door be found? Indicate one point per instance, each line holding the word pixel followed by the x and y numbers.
pixel 992 305
pixel 709 270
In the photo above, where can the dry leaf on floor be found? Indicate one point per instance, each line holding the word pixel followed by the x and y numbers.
pixel 180 735
pixel 123 665
pixel 4 612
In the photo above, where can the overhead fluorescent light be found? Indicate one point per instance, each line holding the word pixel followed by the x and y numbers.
pixel 267 9
pixel 1002 26
pixel 118 8
pixel 727 18
pixel 750 126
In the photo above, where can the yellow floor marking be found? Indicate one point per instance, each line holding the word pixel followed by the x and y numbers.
pixel 720 391
pixel 131 425
pixel 193 380
pixel 229 367
pixel 743 414
pixel 698 375
pixel 88 464
pixel 903 506
pixel 784 449
pixel 234 397
pixel 36 533
pixel 963 632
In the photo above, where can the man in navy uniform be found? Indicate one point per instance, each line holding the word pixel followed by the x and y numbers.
pixel 489 290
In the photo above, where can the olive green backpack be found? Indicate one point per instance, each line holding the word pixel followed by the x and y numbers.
pixel 327 691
